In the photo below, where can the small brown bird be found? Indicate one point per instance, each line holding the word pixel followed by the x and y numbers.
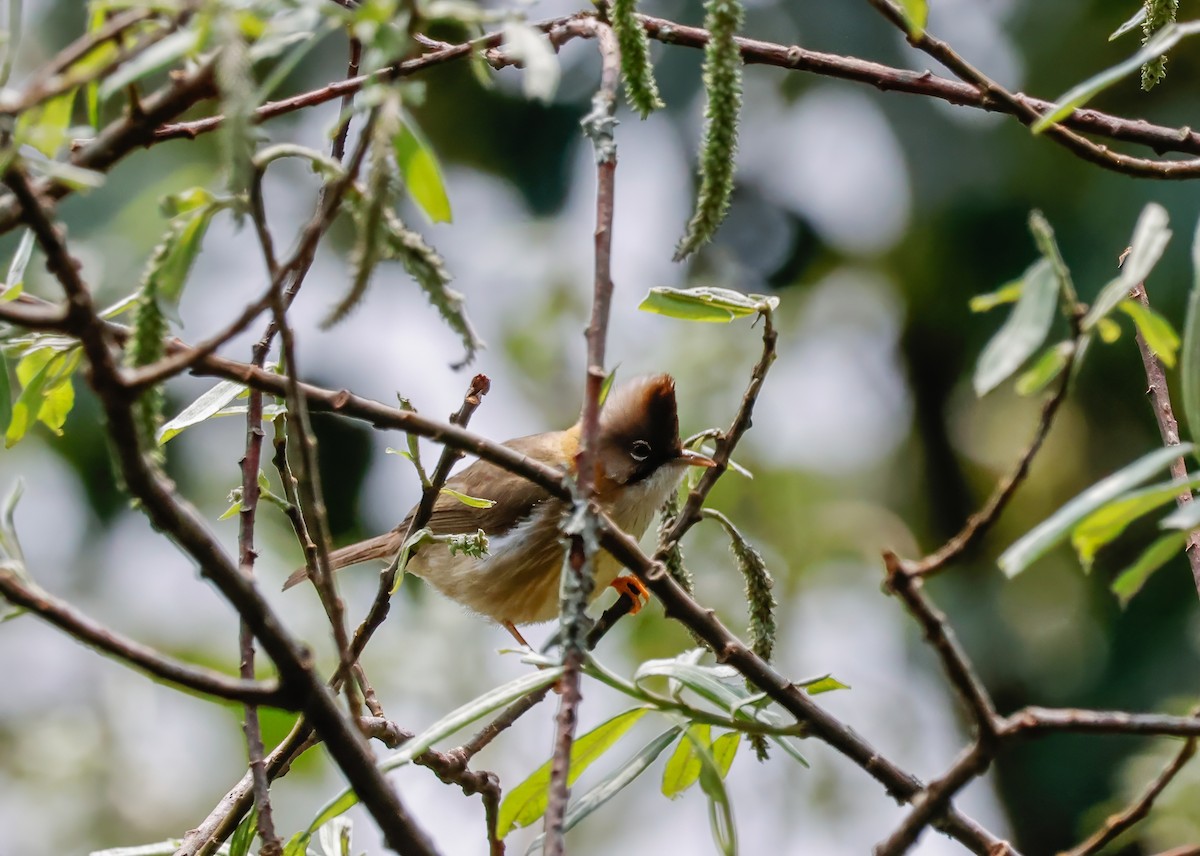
pixel 639 461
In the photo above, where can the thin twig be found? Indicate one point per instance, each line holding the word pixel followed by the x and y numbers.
pixel 1168 426
pixel 578 567
pixel 23 593
pixel 1031 721
pixel 1136 811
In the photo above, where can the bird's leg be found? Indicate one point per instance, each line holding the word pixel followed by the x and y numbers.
pixel 634 589
pixel 512 628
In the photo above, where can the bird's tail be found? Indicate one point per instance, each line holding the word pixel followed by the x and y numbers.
pixel 380 547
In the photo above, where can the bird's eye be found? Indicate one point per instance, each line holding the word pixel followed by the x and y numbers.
pixel 640 450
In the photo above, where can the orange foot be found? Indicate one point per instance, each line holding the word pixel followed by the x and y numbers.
pixel 633 589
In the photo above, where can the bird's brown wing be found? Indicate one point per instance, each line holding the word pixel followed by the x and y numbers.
pixel 514 498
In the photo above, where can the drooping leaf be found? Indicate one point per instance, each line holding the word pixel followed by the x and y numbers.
pixel 720 810
pixel 1150 237
pixel 1107 522
pixel 1160 336
pixel 450 723
pixel 1045 368
pixel 421 173
pixel 14 283
pixel 916 13
pixel 1133 20
pixel 586 803
pixel 208 404
pixel 1130 581
pixel 1058 526
pixel 1079 95
pixel 1023 332
pixel 706 304
pixel 472 501
pixel 682 769
pixel 525 803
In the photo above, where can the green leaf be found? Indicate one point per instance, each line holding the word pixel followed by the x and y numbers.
pixel 720 811
pixel 699 679
pixel 243 836
pixel 472 501
pixel 1150 237
pixel 1186 517
pixel 421 173
pixel 14 283
pixel 158 56
pixel 606 387
pixel 724 750
pixel 1004 294
pixel 1109 330
pixel 823 684
pixel 585 804
pixel 1190 358
pixel 1078 95
pixel 455 720
pixel 1045 368
pixel 47 126
pixel 41 374
pixel 1024 330
pixel 1056 528
pixel 916 13
pixel 683 767
pixel 526 802
pixel 207 405
pixel 6 402
pixel 1130 581
pixel 706 304
pixel 1110 520
pixel 1133 21
pixel 1160 336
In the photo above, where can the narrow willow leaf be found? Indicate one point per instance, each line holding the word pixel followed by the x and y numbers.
pixel 15 281
pixel 1159 13
pixel 335 837
pixel 1002 295
pixel 1078 95
pixel 526 802
pixel 1135 19
pixel 1107 522
pixel 158 56
pixel 208 404
pixel 718 149
pixel 823 684
pixel 606 386
pixel 1189 367
pixel 1160 336
pixel 28 404
pixel 159 848
pixel 641 90
pixel 450 723
pixel 699 679
pixel 1150 238
pixel 472 501
pixel 789 746
pixel 1130 581
pixel 724 750
pixel 47 126
pixel 1043 237
pixel 588 802
pixel 532 49
pixel 683 767
pixel 6 401
pixel 1024 330
pixel 47 394
pixel 298 844
pixel 720 810
pixel 706 304
pixel 243 836
pixel 421 173
pixel 1056 528
pixel 1045 368
pixel 916 13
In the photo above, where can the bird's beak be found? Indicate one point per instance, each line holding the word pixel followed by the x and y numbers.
pixel 695 459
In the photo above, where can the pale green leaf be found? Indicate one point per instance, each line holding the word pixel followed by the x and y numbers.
pixel 6 402
pixel 1160 336
pixel 1107 522
pixel 585 804
pixel 1185 517
pixel 823 684
pixel 1134 20
pixel 706 304
pixel 421 173
pixel 1045 368
pixel 15 281
pixel 1057 528
pixel 724 750
pixel 916 13
pixel 1150 237
pixel 202 408
pixel 1024 330
pixel 1078 95
pixel 47 126
pixel 1130 581
pixel 243 836
pixel 1109 330
pixel 472 501
pixel 156 57
pixel 526 802
pixel 683 767
pixel 1002 295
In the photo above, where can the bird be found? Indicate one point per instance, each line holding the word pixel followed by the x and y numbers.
pixel 639 461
